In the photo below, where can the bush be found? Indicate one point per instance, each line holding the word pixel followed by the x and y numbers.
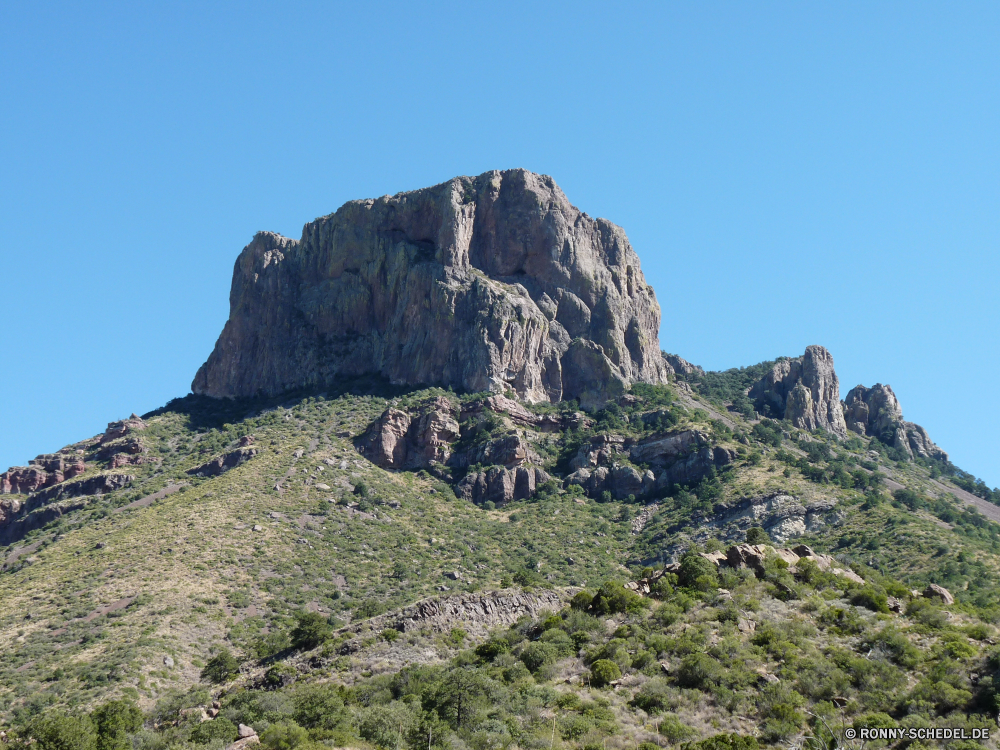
pixel 114 722
pixel 284 735
pixel 311 629
pixel 537 655
pixel 604 672
pixel 696 572
pixel 221 668
pixel 613 598
pixel 871 598
pixel 390 635
pixel 700 671
pixel 219 728
pixel 491 649
pixel 55 730
pixel 757 535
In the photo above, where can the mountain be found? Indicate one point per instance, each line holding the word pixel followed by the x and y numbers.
pixel 489 283
pixel 382 521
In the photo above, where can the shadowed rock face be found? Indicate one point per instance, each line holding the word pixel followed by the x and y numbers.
pixel 804 390
pixel 481 283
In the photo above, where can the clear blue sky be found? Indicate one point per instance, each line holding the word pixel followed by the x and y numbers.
pixel 789 173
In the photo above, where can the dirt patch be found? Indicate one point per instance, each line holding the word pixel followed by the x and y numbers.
pixel 18 552
pixel 150 499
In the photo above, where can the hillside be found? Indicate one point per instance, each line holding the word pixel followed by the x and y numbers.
pixel 438 487
pixel 132 594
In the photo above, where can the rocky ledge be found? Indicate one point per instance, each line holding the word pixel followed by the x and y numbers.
pixel 483 283
pixel 242 453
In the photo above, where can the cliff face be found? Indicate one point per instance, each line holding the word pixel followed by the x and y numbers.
pixel 876 412
pixel 479 283
pixel 804 390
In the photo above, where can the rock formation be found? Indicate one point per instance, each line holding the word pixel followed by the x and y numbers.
pixel 681 458
pixel 804 390
pixel 486 284
pixel 681 366
pixel 876 412
pixel 229 460
pixel 42 471
pixel 501 485
pixel 400 440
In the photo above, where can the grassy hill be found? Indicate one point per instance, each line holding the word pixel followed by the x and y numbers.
pixel 296 562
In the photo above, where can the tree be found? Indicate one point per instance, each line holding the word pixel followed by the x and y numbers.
pixel 55 730
pixel 697 572
pixel 221 668
pixel 219 728
pixel 114 722
pixel 311 629
pixel 757 535
pixel 604 672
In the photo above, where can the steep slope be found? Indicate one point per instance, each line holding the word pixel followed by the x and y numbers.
pixel 484 283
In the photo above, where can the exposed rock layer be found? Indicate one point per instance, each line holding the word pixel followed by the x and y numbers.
pixel 481 283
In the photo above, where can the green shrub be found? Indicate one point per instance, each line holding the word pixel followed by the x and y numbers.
pixel 697 572
pixel 700 671
pixel 55 730
pixel 757 535
pixel 492 648
pixel 390 635
pixel 311 629
pixel 604 672
pixel 613 598
pixel 114 722
pixel 284 735
pixel 221 668
pixel 537 655
pixel 871 598
pixel 219 728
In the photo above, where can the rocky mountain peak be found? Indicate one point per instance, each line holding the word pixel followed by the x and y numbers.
pixel 484 283
pixel 876 412
pixel 804 390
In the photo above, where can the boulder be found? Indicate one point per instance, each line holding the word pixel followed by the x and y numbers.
pixel 933 591
pixel 244 731
pixel 804 390
pixel 487 283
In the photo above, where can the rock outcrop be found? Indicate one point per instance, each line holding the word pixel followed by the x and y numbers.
pixel 804 390
pixel 681 366
pixel 781 515
pixel 43 471
pixel 483 283
pixel 401 440
pixel 229 460
pixel 500 485
pixel 681 458
pixel 876 412
pixel 120 445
